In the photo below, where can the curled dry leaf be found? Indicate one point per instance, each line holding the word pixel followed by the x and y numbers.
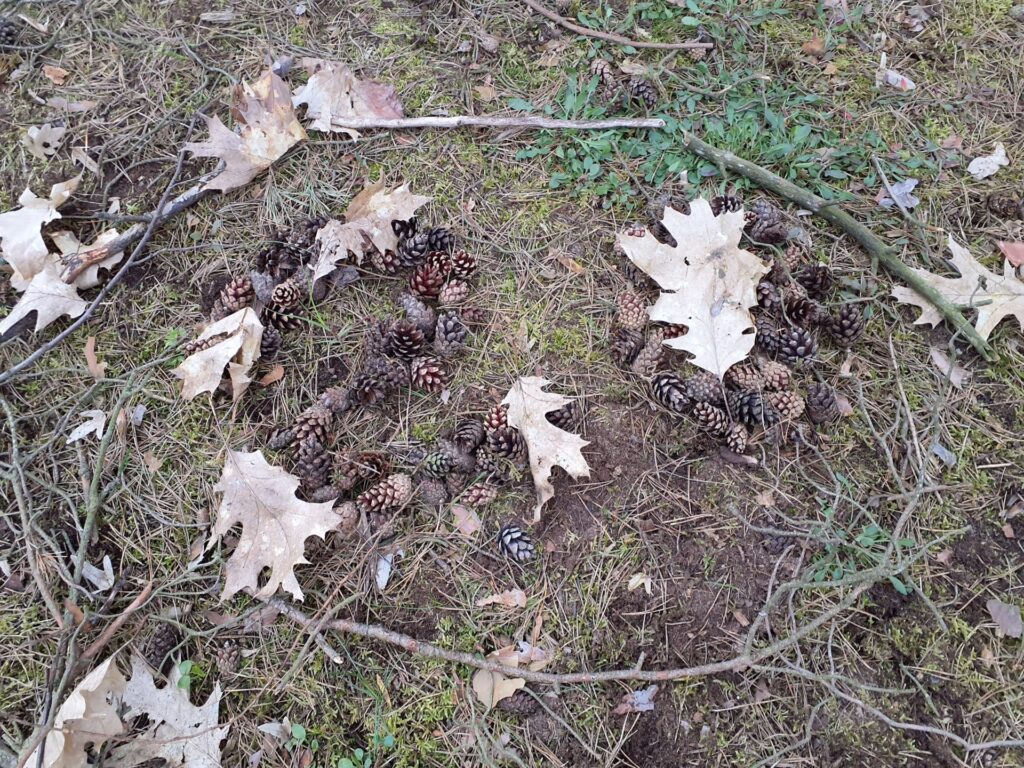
pixel 995 296
pixel 466 520
pixel 708 283
pixel 43 141
pixel 56 75
pixel 275 524
pixel 1006 616
pixel 547 445
pixel 334 92
pixel 238 349
pixel 269 128
pixel 366 225
pixel 94 423
pixel 511 598
pixel 988 165
pixel 637 701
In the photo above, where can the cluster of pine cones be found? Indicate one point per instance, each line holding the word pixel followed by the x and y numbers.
pixel 10 32
pixel 757 397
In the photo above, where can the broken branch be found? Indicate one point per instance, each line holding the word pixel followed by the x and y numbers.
pixel 488 121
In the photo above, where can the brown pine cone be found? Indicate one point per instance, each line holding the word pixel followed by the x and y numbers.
pixel 441 261
pixel 605 74
pixel 569 417
pixel 493 468
pixel 766 223
pixel 394 492
pixel 453 293
pixel 475 317
pixel 744 377
pixel 776 375
pixel 796 345
pixel 479 494
pixel 419 314
pixel 288 295
pixel 429 374
pixel 335 399
pixel 766 335
pixel 803 310
pixel 282 319
pixel 711 418
pixel 312 464
pixel 349 512
pixel 440 239
pixel 670 392
pixel 316 422
pixel 496 418
pixel 162 645
pixel 237 294
pixel 228 658
pixel 822 407
pixel 704 387
pixel 788 403
pixel 508 442
pixel 270 343
pixel 200 345
pixel 768 296
pixel 469 435
pixel 642 90
pixel 816 279
pixel 736 438
pixel 752 408
pixel 651 356
pixel 354 468
pixel 426 281
pixel 412 251
pixel 406 340
pixel 1006 207
pixel 632 310
pixel 367 389
pixel 847 325
pixel 450 335
pixel 388 262
pixel 624 345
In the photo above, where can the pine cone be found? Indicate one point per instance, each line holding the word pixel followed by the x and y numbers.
pixel 508 442
pixel 670 391
pixel 726 204
pixel 822 407
pixel 602 70
pixel 453 293
pixel 199 345
pixel 377 340
pixel 847 325
pixel 282 319
pixel 803 310
pixel 404 229
pixel 10 32
pixel 632 310
pixel 816 279
pixel 496 418
pixel 491 467
pixel 288 295
pixel 406 340
pixel 474 317
pixel 413 250
pixel 479 494
pixel 651 357
pixel 449 335
pixel 752 408
pixel 766 335
pixel 315 422
pixel 388 262
pixel 643 91
pixel 704 387
pixel 162 643
pixel 569 417
pixel 426 281
pixel 437 465
pixel 768 296
pixel 519 703
pixel 456 482
pixel 441 261
pixel 440 239
pixel 227 659
pixel 323 494
pixel 432 492
pixel 237 294
pixel 703 36
pixel 270 343
pixel 777 377
pixel 286 251
pixel 624 345
pixel 469 435
pixel 796 345
pixel 516 544
pixel 367 389
pixel 335 399
pixel 429 374
pixel 795 256
pixel 464 265
pixel 354 468
pixel 744 377
pixel 766 223
pixel 394 492
pixel 789 404
pixel 1006 207
pixel 711 419
pixel 349 512
pixel 736 438
pixel 312 464
pixel 419 314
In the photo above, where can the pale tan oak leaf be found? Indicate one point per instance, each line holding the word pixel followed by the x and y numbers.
pixel 237 348
pixel 994 297
pixel 333 91
pixel 21 239
pixel 708 283
pixel 547 445
pixel 275 524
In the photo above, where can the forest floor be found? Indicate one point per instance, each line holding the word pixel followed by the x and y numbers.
pixel 790 85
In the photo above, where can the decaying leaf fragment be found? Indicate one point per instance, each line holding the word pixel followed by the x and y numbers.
pixel 492 687
pixel 43 141
pixel 21 239
pixel 275 524
pixel 87 716
pixel 994 296
pixel 547 445
pixel 366 225
pixel 333 91
pixel 708 283
pixel 237 348
pixel 268 129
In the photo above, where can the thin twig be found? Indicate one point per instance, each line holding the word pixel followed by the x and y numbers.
pixel 111 629
pixel 611 37
pixel 494 121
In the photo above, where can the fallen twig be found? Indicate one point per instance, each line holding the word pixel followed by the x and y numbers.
pixel 489 121
pixel 100 642
pixel 611 37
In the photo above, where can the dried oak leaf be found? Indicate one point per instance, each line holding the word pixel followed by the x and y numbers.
pixel 1006 616
pixel 179 732
pixel 366 225
pixel 267 129
pixel 510 598
pixel 547 445
pixel 87 716
pixel 492 687
pixel 708 283
pixel 21 241
pixel 49 297
pixel 43 141
pixel 237 349
pixel 275 524
pixel 995 297
pixel 333 91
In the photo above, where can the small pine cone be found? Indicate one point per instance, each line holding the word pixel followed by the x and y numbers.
pixel 796 345
pixel 312 464
pixel 777 377
pixel 354 468
pixel 440 239
pixel 822 407
pixel 670 391
pixel 394 492
pixel 1006 207
pixel 349 512
pixel 711 418
pixel 632 310
pixel 496 418
pixel 316 422
pixel 569 417
pixel 795 256
pixel 469 435
pixel 704 387
pixel 643 91
pixel 449 335
pixel 228 658
pixel 270 343
pixel 726 204
pixel 479 494
pixel 237 294
pixel 464 265
pixel 456 482
pixel 388 262
pixel 393 374
pixel 162 643
pixel 281 439
pixel 404 228
pixel 493 468
pixel 803 311
pixel 10 32
pixel 651 357
pixel 744 377
pixel 766 335
pixel 520 704
pixel 441 261
pixel 377 340
pixel 429 374
pixel 473 317
pixel 413 250
pixel 508 442
pixel 453 294
pixel 846 325
pixel 673 330
pixel 766 223
pixel 516 544
pixel 418 313
pixel 367 389
pixel 406 340
pixel 437 465
pixel 703 36
pixel 605 74
pixel 426 281
pixel 789 404
pixel 736 438
pixel 199 345
pixel 752 408
pixel 335 399
pixel 323 494
pixel 282 319
pixel 768 296
pixel 288 295
pixel 624 345
pixel 432 492
pixel 816 279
